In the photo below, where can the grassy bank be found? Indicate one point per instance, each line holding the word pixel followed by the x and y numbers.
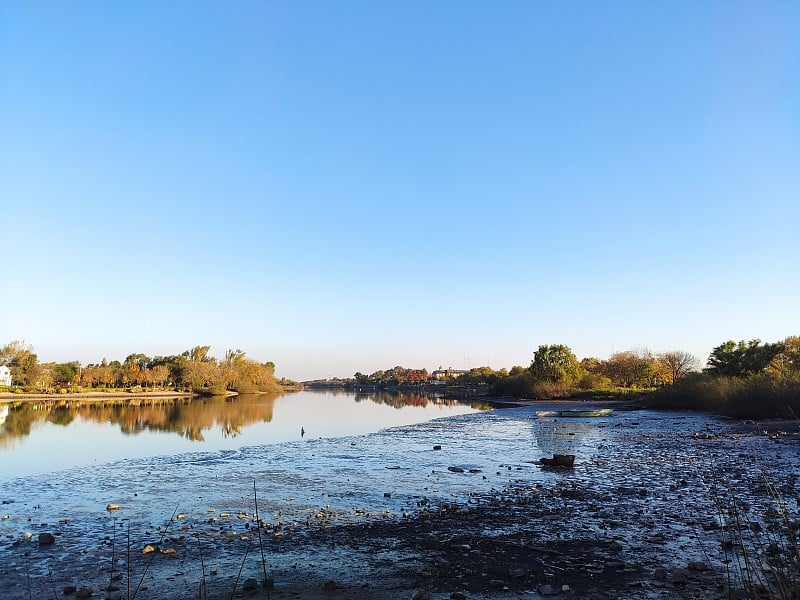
pixel 761 396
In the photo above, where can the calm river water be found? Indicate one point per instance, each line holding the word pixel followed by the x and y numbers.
pixel 44 436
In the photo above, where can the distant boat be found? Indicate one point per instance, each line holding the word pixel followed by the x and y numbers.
pixel 576 412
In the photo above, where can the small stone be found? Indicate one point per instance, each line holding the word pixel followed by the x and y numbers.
pixel 45 539
pixel 546 589
pixel 331 585
pixel 418 595
pixel 269 583
pixel 455 469
pixel 697 565
pixel 615 546
pixel 516 573
pixel 250 585
pixel 387 495
pixel 437 447
pixel 84 592
pixel 566 589
pixel 148 549
pixel 497 584
pixel 110 507
pixel 69 589
pixel 660 574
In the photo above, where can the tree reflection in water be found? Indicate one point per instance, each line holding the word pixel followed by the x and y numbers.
pixel 194 418
pixel 188 418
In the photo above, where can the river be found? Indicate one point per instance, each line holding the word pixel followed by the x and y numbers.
pixel 41 436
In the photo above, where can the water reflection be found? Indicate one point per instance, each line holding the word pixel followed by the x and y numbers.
pixel 563 436
pixel 423 400
pixel 187 417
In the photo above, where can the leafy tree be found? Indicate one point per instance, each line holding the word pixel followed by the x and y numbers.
pixel 555 364
pixel 66 373
pixel 632 368
pixel 21 361
pixel 787 362
pixel 742 359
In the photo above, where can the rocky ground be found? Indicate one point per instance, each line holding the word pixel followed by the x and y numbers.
pixel 647 516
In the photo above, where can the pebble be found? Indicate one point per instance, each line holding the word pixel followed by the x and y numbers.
pixel 546 589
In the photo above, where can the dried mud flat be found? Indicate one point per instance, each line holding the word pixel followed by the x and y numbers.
pixel 642 515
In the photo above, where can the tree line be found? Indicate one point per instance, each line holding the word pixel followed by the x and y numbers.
pixel 744 378
pixel 194 369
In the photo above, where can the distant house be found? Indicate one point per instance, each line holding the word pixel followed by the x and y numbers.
pixel 5 376
pixel 441 374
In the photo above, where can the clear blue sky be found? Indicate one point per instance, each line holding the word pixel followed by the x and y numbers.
pixel 343 186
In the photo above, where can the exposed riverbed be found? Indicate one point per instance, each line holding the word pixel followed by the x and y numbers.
pixel 385 514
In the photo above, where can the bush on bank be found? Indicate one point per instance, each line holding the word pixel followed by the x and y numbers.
pixel 760 396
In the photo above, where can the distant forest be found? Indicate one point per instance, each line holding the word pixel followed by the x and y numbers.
pixel 192 370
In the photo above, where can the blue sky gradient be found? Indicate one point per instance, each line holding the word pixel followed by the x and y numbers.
pixel 346 186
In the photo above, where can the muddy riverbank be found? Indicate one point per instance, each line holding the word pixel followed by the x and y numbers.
pixel 642 514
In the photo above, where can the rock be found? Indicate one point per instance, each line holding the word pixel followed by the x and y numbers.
pixel 269 583
pixel 418 595
pixel 660 574
pixel 250 585
pixel 615 546
pixel 111 507
pixel 45 539
pixel 387 495
pixel 546 589
pixel 680 576
pixel 437 447
pixel 69 589
pixel 455 469
pixel 497 584
pixel 84 592
pixel 564 461
pixel 331 585
pixel 566 589
pixel 148 549
pixel 516 573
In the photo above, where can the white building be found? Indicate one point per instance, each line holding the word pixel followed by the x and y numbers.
pixel 5 375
